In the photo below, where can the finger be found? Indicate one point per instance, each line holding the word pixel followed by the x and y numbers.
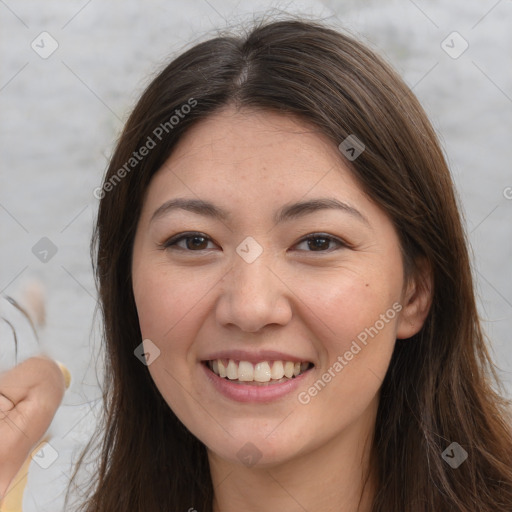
pixel 6 404
pixel 37 372
pixel 30 394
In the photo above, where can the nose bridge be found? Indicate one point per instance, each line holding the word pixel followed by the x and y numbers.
pixel 252 295
pixel 251 267
pixel 252 278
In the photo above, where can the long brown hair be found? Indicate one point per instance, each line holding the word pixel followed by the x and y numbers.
pixel 441 384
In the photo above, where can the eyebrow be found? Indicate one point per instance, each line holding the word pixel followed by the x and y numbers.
pixel 286 213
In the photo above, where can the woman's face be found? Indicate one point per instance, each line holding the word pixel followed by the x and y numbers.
pixel 287 267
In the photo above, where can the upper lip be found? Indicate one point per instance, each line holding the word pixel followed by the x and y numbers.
pixel 255 357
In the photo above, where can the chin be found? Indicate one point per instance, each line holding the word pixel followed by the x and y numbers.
pixel 257 451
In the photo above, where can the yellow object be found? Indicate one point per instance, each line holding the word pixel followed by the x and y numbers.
pixel 13 499
pixel 65 372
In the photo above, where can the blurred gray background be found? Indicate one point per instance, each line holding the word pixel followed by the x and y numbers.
pixel 70 73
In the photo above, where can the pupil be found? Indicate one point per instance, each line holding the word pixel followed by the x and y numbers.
pixel 196 242
pixel 324 244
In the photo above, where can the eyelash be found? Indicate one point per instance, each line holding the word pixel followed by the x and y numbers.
pixel 172 242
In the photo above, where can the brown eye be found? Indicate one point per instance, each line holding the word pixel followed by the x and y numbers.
pixel 196 242
pixel 318 244
pixel 188 242
pixel 321 243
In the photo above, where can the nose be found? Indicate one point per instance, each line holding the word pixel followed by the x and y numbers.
pixel 253 296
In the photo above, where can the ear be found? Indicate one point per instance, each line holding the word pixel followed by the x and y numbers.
pixel 416 301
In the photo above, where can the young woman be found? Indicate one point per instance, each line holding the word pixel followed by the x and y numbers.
pixel 289 313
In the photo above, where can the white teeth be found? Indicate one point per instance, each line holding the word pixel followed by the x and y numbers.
pixel 222 368
pixel 277 370
pixel 264 371
pixel 288 369
pixel 245 371
pixel 232 370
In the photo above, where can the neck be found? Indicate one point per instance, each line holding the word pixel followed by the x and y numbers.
pixel 332 477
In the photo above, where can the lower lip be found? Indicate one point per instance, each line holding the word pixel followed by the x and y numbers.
pixel 252 393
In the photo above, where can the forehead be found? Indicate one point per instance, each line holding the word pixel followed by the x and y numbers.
pixel 246 153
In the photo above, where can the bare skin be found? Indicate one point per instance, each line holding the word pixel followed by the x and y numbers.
pixel 30 394
pixel 292 298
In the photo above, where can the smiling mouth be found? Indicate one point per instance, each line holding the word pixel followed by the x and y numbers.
pixel 263 373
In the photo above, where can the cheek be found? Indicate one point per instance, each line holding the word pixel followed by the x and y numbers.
pixel 165 305
pixel 353 317
pixel 356 326
pixel 346 304
pixel 163 301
